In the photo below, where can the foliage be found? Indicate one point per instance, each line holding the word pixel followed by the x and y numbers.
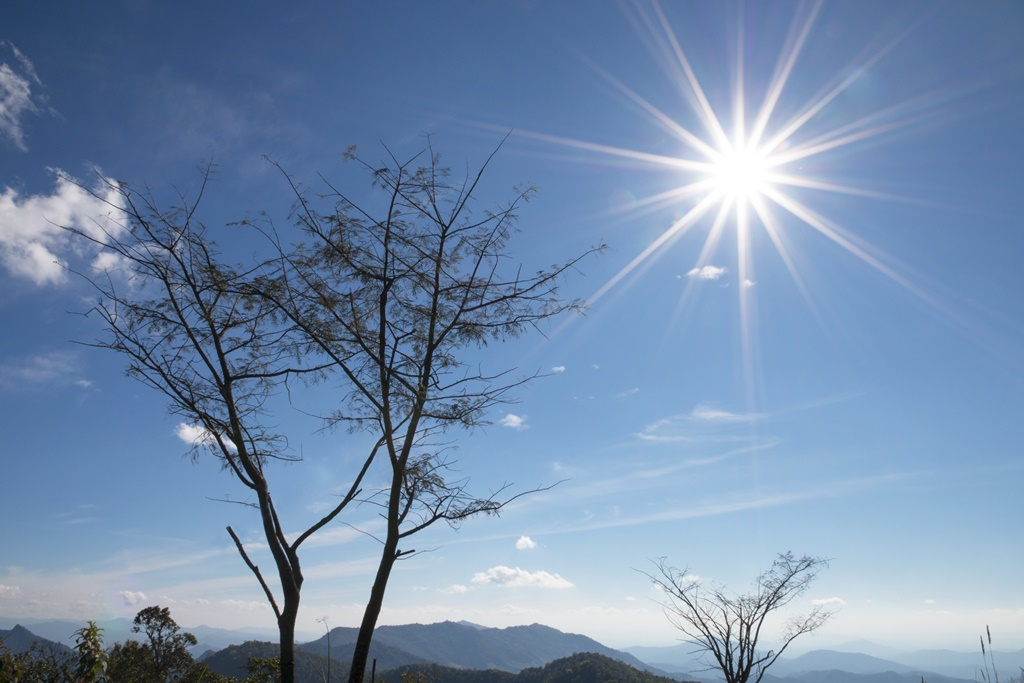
pixel 263 670
pixel 164 655
pixel 726 627
pixel 42 661
pixel 92 658
pixel 988 673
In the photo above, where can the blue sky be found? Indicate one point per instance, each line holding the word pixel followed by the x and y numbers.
pixel 839 373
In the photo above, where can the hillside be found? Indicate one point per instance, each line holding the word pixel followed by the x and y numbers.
pixel 584 667
pixel 20 639
pixel 309 667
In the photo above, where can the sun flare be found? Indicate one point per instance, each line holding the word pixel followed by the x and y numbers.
pixel 741 172
pixel 742 166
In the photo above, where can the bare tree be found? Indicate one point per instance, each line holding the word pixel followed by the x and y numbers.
pixel 381 307
pixel 192 327
pixel 392 298
pixel 725 627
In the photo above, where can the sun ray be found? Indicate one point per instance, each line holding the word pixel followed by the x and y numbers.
pixel 850 243
pixel 816 105
pixel 703 108
pixel 777 235
pixel 666 121
pixel 781 75
pixel 677 229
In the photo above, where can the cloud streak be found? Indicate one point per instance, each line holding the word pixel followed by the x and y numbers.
pixel 16 97
pixel 53 368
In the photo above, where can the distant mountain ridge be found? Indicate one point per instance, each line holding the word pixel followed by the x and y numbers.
pixel 935 665
pixel 20 639
pixel 469 646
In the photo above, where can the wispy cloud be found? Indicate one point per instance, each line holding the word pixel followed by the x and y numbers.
pixel 247 605
pixel 558 368
pixel 516 578
pixel 8 591
pixel 628 392
pixel 828 602
pixel 517 422
pixel 53 368
pixel 706 273
pixel 706 413
pixel 35 246
pixel 741 502
pixel 695 425
pixel 17 100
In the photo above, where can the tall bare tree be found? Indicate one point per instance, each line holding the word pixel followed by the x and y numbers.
pixel 725 627
pixel 392 298
pixel 382 307
pixel 192 327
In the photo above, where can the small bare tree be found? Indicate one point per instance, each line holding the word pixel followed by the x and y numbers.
pixel 725 628
pixel 381 307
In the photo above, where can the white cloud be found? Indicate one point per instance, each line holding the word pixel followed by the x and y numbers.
pixel 132 598
pixel 558 368
pixel 828 602
pixel 628 392
pixel 33 243
pixel 749 283
pixel 456 589
pixel 193 435
pixel 517 422
pixel 8 591
pixel 525 543
pixel 706 272
pixel 16 97
pixel 515 578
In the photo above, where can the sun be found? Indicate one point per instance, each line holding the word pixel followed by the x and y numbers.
pixel 741 172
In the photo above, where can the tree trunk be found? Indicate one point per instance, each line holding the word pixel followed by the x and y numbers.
pixel 286 631
pixel 361 654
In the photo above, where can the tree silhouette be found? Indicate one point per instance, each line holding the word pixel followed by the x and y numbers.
pixel 382 304
pixel 725 627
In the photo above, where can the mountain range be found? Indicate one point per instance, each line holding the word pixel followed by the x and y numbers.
pixel 464 646
pixel 933 665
